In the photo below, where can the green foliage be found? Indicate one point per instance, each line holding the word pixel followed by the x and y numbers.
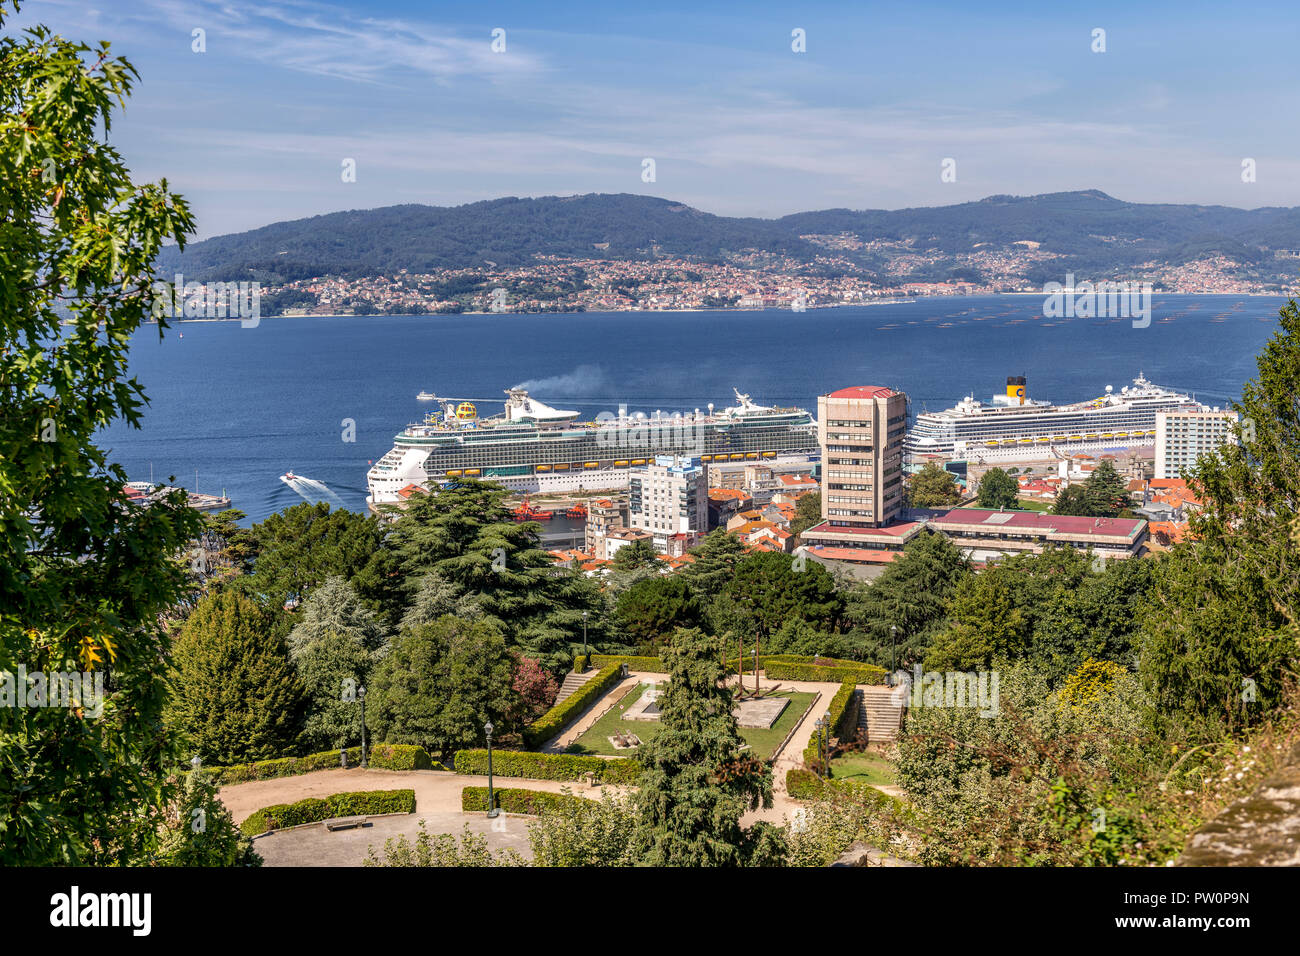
pixel 1102 495
pixel 440 683
pixel 378 757
pixel 840 671
pixel 580 832
pixel 933 487
pixel 840 723
pixel 696 784
pixel 538 766
pixel 765 592
pixel 652 608
pixel 912 595
pixel 331 670
pixel 807 512
pixel 86 576
pixel 552 723
pixel 998 490
pixel 442 850
pixel 235 695
pixel 198 830
pixel 514 800
pixel 334 609
pixel 716 558
pixel 984 624
pixel 459 532
pixel 315 809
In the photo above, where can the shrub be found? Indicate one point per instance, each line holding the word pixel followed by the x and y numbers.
pixel 553 722
pixel 858 672
pixel 537 766
pixel 515 800
pixel 838 715
pixel 651 665
pixel 806 785
pixel 380 757
pixel 315 809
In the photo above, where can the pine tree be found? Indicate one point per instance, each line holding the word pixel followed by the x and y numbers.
pixel 716 558
pixel 331 669
pixel 697 784
pixel 334 608
pixel 235 696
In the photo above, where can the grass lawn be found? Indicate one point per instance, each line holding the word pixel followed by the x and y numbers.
pixel 863 767
pixel 1039 506
pixel 763 742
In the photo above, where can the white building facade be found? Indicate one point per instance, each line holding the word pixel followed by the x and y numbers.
pixel 1183 437
pixel 670 497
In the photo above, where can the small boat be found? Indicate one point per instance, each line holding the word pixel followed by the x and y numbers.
pixel 425 397
pixel 289 476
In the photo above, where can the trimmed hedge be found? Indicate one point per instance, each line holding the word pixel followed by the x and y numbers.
pixel 858 672
pixel 516 763
pixel 515 799
pixel 379 757
pixel 777 666
pixel 314 809
pixel 806 785
pixel 552 723
pixel 837 713
pixel 581 662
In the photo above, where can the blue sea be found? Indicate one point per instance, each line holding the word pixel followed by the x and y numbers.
pixel 241 406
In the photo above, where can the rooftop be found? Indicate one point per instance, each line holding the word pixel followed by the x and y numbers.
pixel 862 391
pixel 1036 521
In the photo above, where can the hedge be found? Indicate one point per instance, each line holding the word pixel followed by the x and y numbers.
pixel 777 666
pixel 537 766
pixel 581 662
pixel 858 672
pixel 806 785
pixel 837 715
pixel 552 723
pixel 515 800
pixel 314 809
pixel 379 757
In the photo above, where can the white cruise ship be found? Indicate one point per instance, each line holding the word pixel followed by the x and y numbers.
pixel 1016 429
pixel 532 447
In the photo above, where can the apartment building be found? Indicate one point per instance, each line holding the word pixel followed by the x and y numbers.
pixel 1184 436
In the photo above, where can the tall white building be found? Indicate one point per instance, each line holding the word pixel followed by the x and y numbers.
pixel 1183 437
pixel 670 497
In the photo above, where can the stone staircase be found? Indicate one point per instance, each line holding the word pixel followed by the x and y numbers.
pixel 881 716
pixel 573 681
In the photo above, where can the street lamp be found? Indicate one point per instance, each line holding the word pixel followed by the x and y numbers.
pixel 584 634
pixel 361 696
pixel 195 762
pixel 493 812
pixel 893 649
pixel 820 724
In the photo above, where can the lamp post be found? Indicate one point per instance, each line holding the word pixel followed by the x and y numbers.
pixel 893 649
pixel 584 634
pixel 492 809
pixel 195 762
pixel 361 696
pixel 821 756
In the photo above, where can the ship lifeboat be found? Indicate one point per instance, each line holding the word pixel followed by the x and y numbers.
pixel 1121 434
pixel 543 467
pixel 993 443
pixel 620 464
pixel 1092 437
pixel 1152 432
pixel 738 457
pixel 638 461
pixel 453 474
pixel 1026 441
pixel 1108 435
pixel 562 467
pixel 591 464
pixel 471 471
pixel 753 456
pixel 706 458
pixel 769 454
pixel 1042 441
pixel 1058 438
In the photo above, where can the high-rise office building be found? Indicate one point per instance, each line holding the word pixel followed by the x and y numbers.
pixel 861 431
pixel 670 498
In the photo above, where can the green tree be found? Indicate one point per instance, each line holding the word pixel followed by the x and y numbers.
pixel 440 683
pixel 1105 488
pixel 198 830
pixel 715 561
pixel 765 591
pixel 85 575
pixel 334 609
pixel 807 512
pixel 467 536
pixel 912 595
pixel 984 625
pixel 1072 500
pixel 998 490
pixel 697 784
pixel 637 556
pixel 235 696
pixel 933 487
pixel 650 610
pixel 331 669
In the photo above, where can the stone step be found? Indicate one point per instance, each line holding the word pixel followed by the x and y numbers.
pixel 572 682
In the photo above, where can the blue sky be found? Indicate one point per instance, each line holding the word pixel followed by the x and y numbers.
pixel 255 129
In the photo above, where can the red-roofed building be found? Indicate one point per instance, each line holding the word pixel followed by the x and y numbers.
pixel 982 533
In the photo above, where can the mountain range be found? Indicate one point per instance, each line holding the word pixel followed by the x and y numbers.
pixel 1085 232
